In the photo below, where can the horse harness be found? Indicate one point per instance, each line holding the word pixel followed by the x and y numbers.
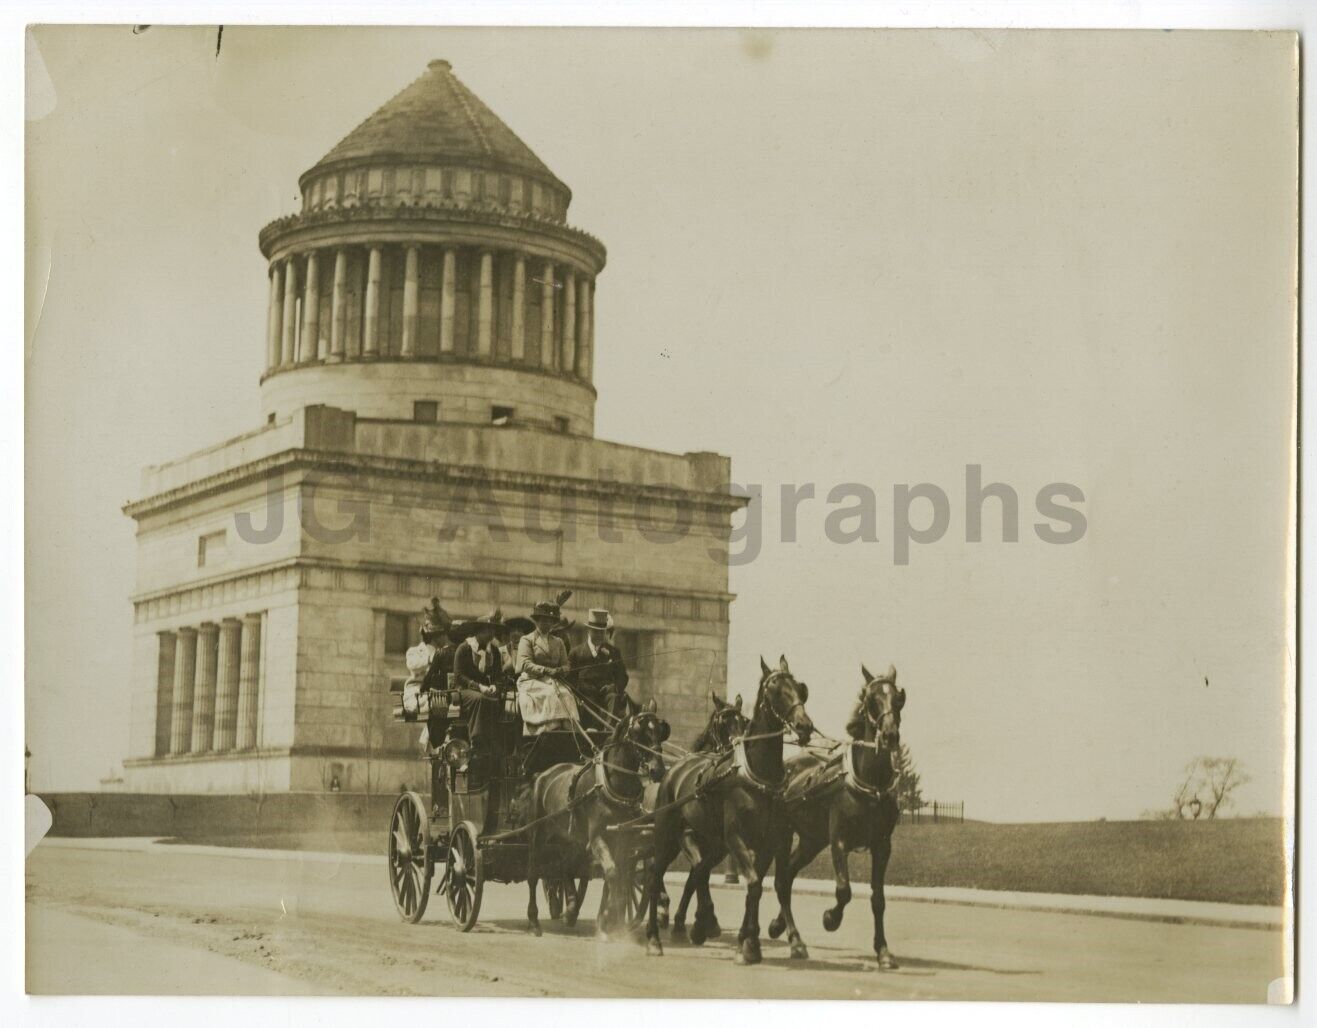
pixel 840 772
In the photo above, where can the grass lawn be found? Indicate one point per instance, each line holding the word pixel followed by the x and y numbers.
pixel 1239 860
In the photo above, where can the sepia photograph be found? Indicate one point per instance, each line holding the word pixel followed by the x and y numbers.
pixel 681 513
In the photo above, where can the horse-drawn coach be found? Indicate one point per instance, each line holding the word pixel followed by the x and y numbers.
pixel 614 799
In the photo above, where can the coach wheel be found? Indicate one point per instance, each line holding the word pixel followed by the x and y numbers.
pixel 410 861
pixel 635 892
pixel 465 876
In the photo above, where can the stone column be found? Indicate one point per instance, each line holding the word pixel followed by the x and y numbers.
pixel 447 302
pixel 569 323
pixel 290 312
pixel 485 312
pixel 249 682
pixel 410 302
pixel 275 321
pixel 519 309
pixel 370 336
pixel 310 348
pixel 203 702
pixel 338 324
pixel 185 677
pixel 164 691
pixel 227 665
pixel 585 306
pixel 547 357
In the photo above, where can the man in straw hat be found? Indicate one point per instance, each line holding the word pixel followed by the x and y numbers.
pixel 543 697
pixel 600 673
pixel 477 671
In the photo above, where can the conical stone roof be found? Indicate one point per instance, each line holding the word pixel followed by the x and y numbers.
pixel 437 119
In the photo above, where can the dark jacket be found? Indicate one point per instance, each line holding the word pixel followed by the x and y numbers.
pixel 604 675
pixel 466 672
pixel 437 676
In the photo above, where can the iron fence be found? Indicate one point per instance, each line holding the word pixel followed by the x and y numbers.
pixel 935 812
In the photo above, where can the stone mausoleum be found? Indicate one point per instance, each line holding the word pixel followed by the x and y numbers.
pixel 429 430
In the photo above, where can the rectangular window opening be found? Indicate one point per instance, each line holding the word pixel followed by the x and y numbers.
pixel 501 415
pixel 397 634
pixel 426 411
pixel 211 549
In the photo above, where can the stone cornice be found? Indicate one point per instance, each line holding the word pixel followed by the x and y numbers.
pixel 432 472
pixel 438 359
pixel 291 570
pixel 431 214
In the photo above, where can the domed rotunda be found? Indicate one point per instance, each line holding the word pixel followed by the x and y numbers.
pixel 431 262
pixel 428 430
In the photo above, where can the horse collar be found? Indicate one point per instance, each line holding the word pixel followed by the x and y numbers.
pixel 861 787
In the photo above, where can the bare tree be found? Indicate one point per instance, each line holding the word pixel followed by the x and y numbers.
pixel 1221 776
pixel 1206 787
pixel 1189 786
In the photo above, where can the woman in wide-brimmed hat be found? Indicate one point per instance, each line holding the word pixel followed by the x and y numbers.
pixel 543 697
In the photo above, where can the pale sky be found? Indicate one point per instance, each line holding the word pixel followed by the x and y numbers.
pixel 870 257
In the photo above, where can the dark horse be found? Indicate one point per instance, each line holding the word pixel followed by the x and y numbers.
pixel 714 805
pixel 577 802
pixel 847 801
pixel 726 723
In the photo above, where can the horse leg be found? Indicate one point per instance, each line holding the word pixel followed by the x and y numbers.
pixel 840 869
pixel 748 864
pixel 572 910
pixel 779 924
pixel 666 845
pixel 533 882
pixel 790 864
pixel 664 903
pixel 706 921
pixel 880 848
pixel 691 849
pixel 611 894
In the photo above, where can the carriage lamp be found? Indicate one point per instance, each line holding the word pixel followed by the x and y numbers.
pixel 456 752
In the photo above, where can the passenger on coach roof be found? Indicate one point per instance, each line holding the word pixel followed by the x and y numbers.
pixel 545 701
pixel 476 675
pixel 600 674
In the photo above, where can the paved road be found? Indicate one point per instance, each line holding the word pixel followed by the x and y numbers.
pixel 102 921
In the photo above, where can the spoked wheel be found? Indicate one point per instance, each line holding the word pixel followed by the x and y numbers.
pixel 628 909
pixel 635 892
pixel 464 876
pixel 411 865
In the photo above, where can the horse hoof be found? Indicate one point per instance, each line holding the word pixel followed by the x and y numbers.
pixel 748 952
pixel 569 919
pixel 697 934
pixel 887 962
pixel 600 936
pixel 776 927
pixel 535 930
pixel 663 919
pixel 831 920
pixel 713 929
pixel 679 932
pixel 798 951
pixel 653 948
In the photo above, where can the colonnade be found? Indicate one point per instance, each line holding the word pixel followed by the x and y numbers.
pixel 208 687
pixel 414 301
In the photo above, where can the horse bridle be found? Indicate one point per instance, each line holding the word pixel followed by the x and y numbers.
pixel 891 711
pixel 725 723
pixel 781 718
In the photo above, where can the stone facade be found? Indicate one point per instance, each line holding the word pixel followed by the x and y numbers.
pixel 426 434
